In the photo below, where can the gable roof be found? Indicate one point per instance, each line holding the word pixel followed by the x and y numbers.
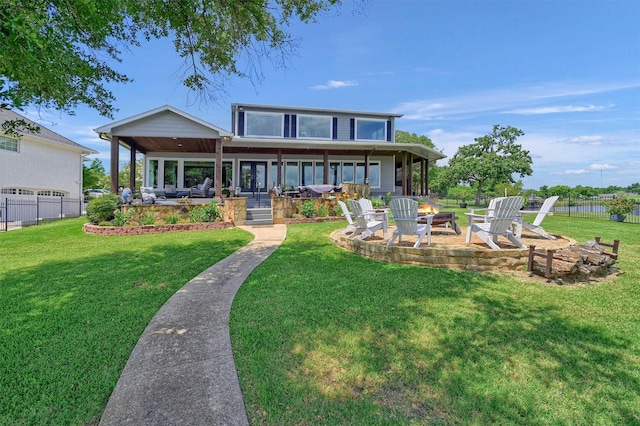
pixel 44 134
pixel 122 127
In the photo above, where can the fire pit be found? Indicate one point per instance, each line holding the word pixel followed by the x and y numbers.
pixel 426 206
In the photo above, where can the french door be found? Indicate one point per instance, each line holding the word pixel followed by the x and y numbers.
pixel 253 176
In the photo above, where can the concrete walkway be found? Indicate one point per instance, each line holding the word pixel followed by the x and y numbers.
pixel 182 372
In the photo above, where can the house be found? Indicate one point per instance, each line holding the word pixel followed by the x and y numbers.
pixel 43 164
pixel 269 146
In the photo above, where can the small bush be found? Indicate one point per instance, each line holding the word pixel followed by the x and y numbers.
pixel 120 218
pixel 323 211
pixel 211 212
pixel 172 219
pixel 102 209
pixel 196 215
pixel 377 202
pixel 308 208
pixel 147 219
pixel 106 223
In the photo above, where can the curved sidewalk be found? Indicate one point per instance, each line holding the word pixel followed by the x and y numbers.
pixel 181 371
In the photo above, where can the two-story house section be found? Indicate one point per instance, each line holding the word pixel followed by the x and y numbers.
pixel 298 146
pixel 269 146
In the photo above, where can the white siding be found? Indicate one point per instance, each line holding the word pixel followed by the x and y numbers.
pixel 42 166
pixel 165 124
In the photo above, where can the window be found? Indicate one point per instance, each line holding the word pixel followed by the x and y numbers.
pixel 371 130
pixel 374 175
pixel 195 172
pixel 313 126
pixel 291 174
pixel 319 172
pixel 153 173
pixel 307 173
pixel 16 191
pixel 170 172
pixel 51 193
pixel 360 173
pixel 334 174
pixel 347 172
pixel 8 144
pixel 264 124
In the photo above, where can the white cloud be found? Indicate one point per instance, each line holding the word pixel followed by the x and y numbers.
pixel 557 109
pixel 336 84
pixel 605 166
pixel 589 140
pixel 507 100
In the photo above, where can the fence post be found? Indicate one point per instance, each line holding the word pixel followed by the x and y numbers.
pixel 37 210
pixel 569 205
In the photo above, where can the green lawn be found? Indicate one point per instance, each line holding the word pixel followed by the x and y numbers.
pixel 74 305
pixel 322 336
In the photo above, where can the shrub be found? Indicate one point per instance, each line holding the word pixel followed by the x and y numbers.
pixel 377 202
pixel 172 219
pixel 619 205
pixel 103 208
pixel 209 213
pixel 120 218
pixel 106 223
pixel 147 219
pixel 308 208
pixel 323 211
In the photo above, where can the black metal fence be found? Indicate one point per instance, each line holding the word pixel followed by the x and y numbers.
pixel 590 208
pixel 18 213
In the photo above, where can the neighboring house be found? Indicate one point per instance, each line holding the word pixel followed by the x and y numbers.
pixel 268 146
pixel 43 164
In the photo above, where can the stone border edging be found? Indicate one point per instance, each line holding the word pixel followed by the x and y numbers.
pixel 451 257
pixel 153 229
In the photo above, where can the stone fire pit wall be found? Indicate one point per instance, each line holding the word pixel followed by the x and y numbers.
pixel 468 258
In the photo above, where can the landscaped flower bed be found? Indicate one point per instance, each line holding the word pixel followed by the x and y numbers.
pixel 154 229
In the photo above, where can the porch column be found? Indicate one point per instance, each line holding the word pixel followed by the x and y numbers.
pixel 404 173
pixel 366 168
pixel 132 167
pixel 422 174
pixel 325 178
pixel 410 183
pixel 279 180
pixel 426 177
pixel 218 171
pixel 113 168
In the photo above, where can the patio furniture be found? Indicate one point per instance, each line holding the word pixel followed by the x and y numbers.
pixel 170 191
pixel 535 227
pixel 506 211
pixel 405 213
pixel 351 226
pixel 148 195
pixel 442 218
pixel 202 190
pixel 365 227
pixel 489 211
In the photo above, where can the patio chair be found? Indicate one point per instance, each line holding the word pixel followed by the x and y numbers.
pixel 505 213
pixel 535 227
pixel 405 213
pixel 489 211
pixel 364 227
pixel 202 190
pixel 351 226
pixel 148 195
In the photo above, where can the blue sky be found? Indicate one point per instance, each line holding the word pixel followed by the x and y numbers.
pixel 566 72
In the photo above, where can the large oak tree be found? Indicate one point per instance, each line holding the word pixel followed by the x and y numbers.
pixel 61 53
pixel 492 159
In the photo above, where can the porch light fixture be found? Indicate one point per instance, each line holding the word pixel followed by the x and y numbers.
pixel 226 138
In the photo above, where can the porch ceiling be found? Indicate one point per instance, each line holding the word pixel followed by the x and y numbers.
pixel 146 144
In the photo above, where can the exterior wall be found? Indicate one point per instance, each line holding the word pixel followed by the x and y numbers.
pixel 166 123
pixel 40 165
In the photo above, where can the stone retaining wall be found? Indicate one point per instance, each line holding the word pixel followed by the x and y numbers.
pixel 455 257
pixel 153 229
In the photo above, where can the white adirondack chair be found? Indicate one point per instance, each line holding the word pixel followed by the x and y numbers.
pixel 505 213
pixel 405 213
pixel 489 211
pixel 365 227
pixel 545 210
pixel 351 226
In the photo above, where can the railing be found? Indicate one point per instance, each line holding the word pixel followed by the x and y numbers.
pixel 17 213
pixel 590 208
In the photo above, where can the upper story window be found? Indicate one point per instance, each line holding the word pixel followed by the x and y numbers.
pixel 314 126
pixel 264 124
pixel 371 129
pixel 8 144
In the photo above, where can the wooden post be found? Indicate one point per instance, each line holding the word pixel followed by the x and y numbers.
pixel 218 170
pixel 113 168
pixel 404 173
pixel 132 167
pixel 279 178
pixel 325 178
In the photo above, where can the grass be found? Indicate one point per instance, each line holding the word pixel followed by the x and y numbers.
pixel 322 336
pixel 74 305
